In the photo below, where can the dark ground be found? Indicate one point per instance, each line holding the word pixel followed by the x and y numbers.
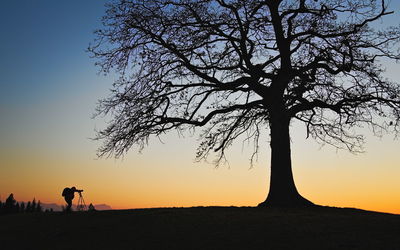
pixel 203 228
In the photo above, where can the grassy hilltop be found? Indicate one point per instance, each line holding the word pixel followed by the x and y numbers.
pixel 203 228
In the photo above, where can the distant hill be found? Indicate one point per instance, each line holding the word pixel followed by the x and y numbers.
pixel 53 206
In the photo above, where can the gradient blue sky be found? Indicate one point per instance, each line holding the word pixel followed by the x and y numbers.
pixel 47 78
pixel 48 92
pixel 48 84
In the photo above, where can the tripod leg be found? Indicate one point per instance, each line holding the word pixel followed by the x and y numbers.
pixel 81 203
pixel 78 206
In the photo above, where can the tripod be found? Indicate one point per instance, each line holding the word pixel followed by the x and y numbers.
pixel 81 206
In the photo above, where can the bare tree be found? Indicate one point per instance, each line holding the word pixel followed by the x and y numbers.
pixel 240 67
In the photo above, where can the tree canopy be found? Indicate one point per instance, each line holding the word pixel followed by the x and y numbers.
pixel 237 67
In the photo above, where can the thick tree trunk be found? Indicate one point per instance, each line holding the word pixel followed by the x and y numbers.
pixel 282 191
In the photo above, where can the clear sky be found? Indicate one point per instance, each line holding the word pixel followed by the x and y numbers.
pixel 49 88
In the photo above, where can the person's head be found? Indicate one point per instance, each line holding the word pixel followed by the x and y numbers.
pixel 73 188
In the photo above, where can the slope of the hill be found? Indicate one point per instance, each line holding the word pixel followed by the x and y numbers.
pixel 203 228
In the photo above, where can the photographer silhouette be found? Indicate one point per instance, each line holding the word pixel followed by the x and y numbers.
pixel 69 195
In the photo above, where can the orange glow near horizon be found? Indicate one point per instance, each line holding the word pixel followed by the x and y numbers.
pixel 143 181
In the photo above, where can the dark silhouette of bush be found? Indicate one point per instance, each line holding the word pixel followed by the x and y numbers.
pixel 91 207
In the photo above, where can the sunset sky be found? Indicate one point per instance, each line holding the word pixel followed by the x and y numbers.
pixel 49 88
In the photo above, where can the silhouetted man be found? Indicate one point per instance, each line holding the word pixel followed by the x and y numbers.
pixel 69 195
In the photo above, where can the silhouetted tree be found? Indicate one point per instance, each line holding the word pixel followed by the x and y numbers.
pixel 9 206
pixel 39 208
pixel 237 67
pixel 16 208
pixel 33 206
pixel 28 207
pixel 22 207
